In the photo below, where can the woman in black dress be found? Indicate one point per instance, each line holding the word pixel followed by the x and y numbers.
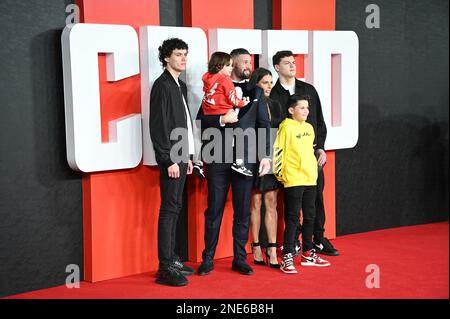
pixel 266 187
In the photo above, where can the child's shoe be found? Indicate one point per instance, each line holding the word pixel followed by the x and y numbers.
pixel 310 258
pixel 198 169
pixel 239 167
pixel 287 264
pixel 326 248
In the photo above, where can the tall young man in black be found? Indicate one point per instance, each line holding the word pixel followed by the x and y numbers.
pixel 169 111
pixel 220 175
pixel 287 85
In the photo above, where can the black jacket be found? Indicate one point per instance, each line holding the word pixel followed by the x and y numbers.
pixel 167 112
pixel 315 117
pixel 277 112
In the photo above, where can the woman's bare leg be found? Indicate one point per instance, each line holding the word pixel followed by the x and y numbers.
pixel 255 217
pixel 271 222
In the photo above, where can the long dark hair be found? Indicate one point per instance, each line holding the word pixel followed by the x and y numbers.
pixel 257 75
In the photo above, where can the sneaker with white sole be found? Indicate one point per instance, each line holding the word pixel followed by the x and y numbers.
pixel 241 169
pixel 310 258
pixel 287 264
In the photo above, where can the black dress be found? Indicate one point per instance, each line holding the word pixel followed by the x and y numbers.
pixel 277 114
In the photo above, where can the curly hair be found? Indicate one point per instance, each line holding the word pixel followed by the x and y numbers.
pixel 167 47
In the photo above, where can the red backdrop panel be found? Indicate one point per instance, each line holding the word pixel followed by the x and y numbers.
pixel 304 14
pixel 310 15
pixel 120 208
pixel 208 14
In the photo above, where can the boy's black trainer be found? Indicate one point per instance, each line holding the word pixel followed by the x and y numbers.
pixel 326 248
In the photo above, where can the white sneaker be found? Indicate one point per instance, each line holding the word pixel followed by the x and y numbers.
pixel 310 258
pixel 287 264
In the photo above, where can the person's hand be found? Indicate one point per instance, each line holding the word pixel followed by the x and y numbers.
pixel 264 167
pixel 173 171
pixel 246 100
pixel 229 117
pixel 190 167
pixel 321 157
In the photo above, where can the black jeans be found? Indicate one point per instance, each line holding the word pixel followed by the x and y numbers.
pixel 219 177
pixel 319 221
pixel 171 204
pixel 296 198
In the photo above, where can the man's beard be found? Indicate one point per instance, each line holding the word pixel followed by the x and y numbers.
pixel 245 75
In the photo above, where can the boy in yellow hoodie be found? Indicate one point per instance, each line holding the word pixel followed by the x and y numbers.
pixel 296 167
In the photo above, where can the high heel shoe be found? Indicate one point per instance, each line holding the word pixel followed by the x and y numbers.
pixel 269 245
pixel 257 262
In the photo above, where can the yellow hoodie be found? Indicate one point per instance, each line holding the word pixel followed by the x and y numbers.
pixel 293 156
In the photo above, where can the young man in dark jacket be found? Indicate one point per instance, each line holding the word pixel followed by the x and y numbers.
pixel 169 111
pixel 287 85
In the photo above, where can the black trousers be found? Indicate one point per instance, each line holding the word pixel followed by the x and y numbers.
pixel 171 204
pixel 296 198
pixel 220 176
pixel 319 221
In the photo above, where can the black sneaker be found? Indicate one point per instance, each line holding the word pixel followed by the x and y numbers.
pixel 171 277
pixel 241 169
pixel 184 270
pixel 198 169
pixel 326 248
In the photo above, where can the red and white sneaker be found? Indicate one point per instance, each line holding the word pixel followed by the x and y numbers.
pixel 287 264
pixel 309 258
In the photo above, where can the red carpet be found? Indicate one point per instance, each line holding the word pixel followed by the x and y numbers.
pixel 413 263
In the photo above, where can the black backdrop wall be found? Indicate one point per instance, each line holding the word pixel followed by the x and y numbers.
pixel 398 172
pixel 396 175
pixel 40 198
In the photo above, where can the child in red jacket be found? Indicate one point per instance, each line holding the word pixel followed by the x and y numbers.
pixel 220 93
pixel 220 97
